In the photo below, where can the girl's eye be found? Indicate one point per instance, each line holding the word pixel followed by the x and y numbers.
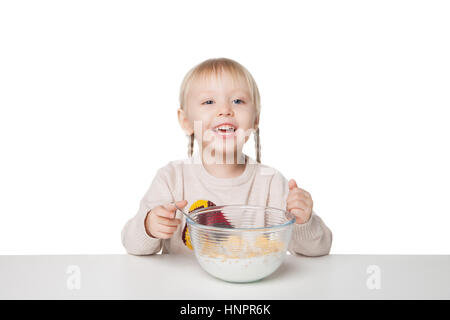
pixel 238 100
pixel 207 102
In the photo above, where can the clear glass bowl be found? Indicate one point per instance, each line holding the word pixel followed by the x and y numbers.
pixel 240 243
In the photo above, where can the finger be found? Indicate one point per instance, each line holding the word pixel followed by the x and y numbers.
pixel 306 193
pixel 296 194
pixel 297 212
pixel 300 215
pixel 163 235
pixel 300 197
pixel 299 204
pixel 292 184
pixel 180 204
pixel 300 191
pixel 166 229
pixel 168 222
pixel 307 200
pixel 163 212
pixel 171 207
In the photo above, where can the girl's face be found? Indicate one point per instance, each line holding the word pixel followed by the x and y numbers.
pixel 220 113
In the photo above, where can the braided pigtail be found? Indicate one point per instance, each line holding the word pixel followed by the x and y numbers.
pixel 190 145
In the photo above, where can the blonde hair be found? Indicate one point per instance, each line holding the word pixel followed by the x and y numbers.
pixel 215 67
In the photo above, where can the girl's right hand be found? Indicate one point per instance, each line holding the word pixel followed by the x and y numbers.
pixel 161 223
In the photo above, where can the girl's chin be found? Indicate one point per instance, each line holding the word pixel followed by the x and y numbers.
pixel 231 148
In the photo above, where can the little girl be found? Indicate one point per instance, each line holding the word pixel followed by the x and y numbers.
pixel 219 108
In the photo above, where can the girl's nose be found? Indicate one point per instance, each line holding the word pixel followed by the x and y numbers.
pixel 226 110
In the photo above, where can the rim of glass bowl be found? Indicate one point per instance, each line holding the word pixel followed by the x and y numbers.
pixel 279 226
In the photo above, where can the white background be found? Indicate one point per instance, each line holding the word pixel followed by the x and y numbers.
pixel 355 107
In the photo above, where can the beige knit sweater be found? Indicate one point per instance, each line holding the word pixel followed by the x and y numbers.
pixel 187 179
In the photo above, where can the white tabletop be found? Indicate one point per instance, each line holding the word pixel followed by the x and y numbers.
pixel 180 277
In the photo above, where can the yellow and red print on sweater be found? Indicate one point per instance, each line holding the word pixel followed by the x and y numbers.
pixel 209 219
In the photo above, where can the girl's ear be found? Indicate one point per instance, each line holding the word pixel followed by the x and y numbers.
pixel 184 122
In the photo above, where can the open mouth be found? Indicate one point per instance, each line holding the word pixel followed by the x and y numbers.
pixel 225 130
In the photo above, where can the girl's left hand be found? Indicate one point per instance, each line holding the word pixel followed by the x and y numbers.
pixel 299 202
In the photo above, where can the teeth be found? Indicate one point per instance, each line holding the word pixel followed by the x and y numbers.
pixel 228 128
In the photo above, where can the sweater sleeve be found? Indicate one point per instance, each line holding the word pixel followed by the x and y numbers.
pixel 312 238
pixel 135 239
